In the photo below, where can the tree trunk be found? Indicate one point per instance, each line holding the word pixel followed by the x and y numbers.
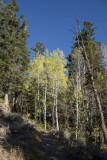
pixel 39 99
pixel 35 104
pixel 35 109
pixel 45 108
pixel 53 110
pixel 101 138
pixel 6 100
pixel 57 123
pixel 77 109
pixel 83 50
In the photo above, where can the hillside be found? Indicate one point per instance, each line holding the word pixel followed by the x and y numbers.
pixel 22 139
pixel 19 139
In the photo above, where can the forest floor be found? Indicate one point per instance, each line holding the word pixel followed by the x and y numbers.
pixel 22 139
pixel 53 148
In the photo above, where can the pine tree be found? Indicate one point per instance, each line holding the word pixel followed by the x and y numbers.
pixel 40 47
pixel 94 56
pixel 13 49
pixel 82 44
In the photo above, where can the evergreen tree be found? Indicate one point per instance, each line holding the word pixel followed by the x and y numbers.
pixel 40 47
pixel 95 59
pixel 13 48
pixel 86 55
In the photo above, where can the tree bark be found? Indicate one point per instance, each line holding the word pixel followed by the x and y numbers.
pixel 45 108
pixel 39 99
pixel 35 109
pixel 101 138
pixel 6 100
pixel 57 123
pixel 53 110
pixel 77 109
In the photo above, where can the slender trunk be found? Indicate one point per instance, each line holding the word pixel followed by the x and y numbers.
pixel 6 101
pixel 77 119
pixel 79 85
pixel 53 110
pixel 84 132
pixel 45 108
pixel 35 108
pixel 39 99
pixel 57 123
pixel 39 102
pixel 83 49
pixel 35 104
pixel 77 109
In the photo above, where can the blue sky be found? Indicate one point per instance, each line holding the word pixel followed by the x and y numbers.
pixel 50 21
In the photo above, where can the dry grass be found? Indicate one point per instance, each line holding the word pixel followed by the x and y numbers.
pixel 13 154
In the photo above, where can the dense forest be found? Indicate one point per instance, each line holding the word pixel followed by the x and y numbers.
pixel 62 94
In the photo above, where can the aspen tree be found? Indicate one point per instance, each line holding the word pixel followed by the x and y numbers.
pixel 36 72
pixel 58 78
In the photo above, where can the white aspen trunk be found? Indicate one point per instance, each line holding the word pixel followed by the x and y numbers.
pixel 44 100
pixel 39 98
pixel 77 116
pixel 45 94
pixel 53 109
pixel 84 132
pixel 56 95
pixel 45 109
pixel 77 101
pixel 77 119
pixel 6 100
pixel 79 84
pixel 84 69
pixel 35 109
pixel 35 105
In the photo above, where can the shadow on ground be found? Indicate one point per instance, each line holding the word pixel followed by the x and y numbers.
pixel 53 148
pixel 22 136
